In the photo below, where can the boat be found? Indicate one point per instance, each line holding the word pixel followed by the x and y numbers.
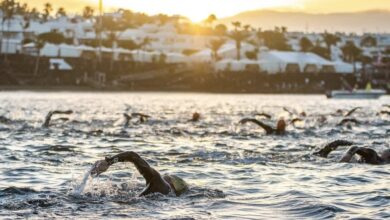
pixel 356 94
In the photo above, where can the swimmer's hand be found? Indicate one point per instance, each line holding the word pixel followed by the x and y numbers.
pixel 99 167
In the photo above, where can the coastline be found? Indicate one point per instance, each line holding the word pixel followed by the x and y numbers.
pixel 111 89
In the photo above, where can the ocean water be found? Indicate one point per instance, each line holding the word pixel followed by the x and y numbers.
pixel 234 171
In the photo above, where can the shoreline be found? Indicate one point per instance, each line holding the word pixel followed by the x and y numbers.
pixel 109 90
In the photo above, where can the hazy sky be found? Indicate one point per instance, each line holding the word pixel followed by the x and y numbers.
pixel 199 9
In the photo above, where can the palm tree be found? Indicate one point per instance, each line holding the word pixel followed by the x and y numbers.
pixel 247 27
pixel 351 53
pixel 39 44
pixel 236 24
pixel 47 10
pixel 61 12
pixel 215 45
pixel 88 12
pixel 330 39
pixel 210 19
pixel 368 41
pixel 220 29
pixel 238 36
pixel 305 44
pixel 34 14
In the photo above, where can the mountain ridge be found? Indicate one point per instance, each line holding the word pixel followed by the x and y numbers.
pixel 374 20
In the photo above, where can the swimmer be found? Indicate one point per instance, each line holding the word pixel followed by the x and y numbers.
pixel 386 106
pixel 340 112
pixel 195 117
pixel 295 120
pixel 142 117
pixel 288 111
pixel 367 155
pixel 348 120
pixel 279 130
pixel 46 124
pixel 5 120
pixel 127 119
pixel 352 111
pixel 384 112
pixel 155 183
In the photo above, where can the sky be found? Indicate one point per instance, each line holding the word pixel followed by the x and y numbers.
pixel 197 10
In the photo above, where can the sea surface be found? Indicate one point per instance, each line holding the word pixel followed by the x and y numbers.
pixel 234 171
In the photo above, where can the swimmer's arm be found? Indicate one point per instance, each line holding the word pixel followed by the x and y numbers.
pixel 142 166
pixel 352 111
pixel 325 151
pixel 47 119
pixel 267 128
pixel 127 118
pixel 51 113
pixel 346 120
pixel 347 157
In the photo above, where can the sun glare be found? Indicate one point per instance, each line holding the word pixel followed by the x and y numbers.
pixel 200 9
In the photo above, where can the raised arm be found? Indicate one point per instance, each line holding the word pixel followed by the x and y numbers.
pixel 352 111
pixel 127 119
pixel 142 166
pixel 346 120
pixel 154 182
pixel 347 157
pixel 47 120
pixel 46 124
pixel 325 151
pixel 268 129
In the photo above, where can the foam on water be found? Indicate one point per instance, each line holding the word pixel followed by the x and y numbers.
pixel 80 188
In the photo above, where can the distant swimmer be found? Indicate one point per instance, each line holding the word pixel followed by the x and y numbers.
pixel 46 124
pixel 340 112
pixel 352 111
pixel 384 112
pixel 294 112
pixel 5 120
pixel 288 111
pixel 348 121
pixel 367 155
pixel 386 105
pixel 195 117
pixel 142 117
pixel 155 183
pixel 295 120
pixel 127 119
pixel 279 130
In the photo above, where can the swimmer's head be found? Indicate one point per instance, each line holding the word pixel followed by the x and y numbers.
pixel 177 184
pixel 195 116
pixel 386 155
pixel 281 126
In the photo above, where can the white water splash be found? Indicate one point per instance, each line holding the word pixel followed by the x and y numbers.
pixel 80 188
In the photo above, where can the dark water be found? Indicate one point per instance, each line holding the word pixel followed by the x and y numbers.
pixel 234 172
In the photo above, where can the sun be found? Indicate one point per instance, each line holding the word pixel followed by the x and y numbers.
pixel 198 10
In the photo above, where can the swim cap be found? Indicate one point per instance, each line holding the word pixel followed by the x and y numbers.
pixel 177 183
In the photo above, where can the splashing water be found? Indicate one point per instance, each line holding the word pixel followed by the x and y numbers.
pixel 80 188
